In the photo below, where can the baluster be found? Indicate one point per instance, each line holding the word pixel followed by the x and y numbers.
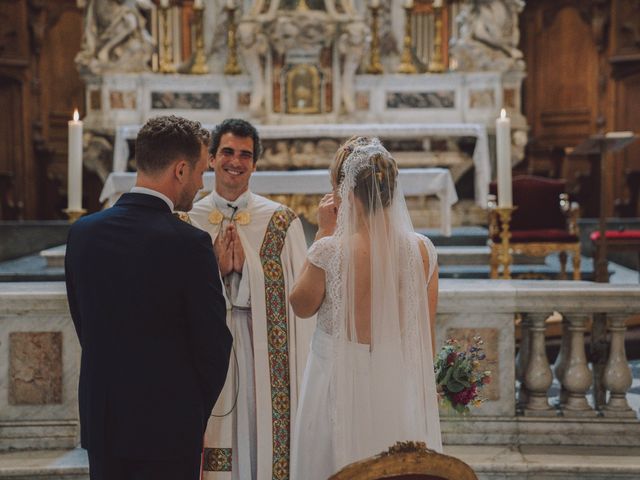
pixel 617 376
pixel 562 360
pixel 577 377
pixel 538 375
pixel 523 359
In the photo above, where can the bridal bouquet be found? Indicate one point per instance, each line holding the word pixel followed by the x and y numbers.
pixel 458 374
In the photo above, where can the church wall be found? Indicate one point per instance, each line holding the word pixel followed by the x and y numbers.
pixel 38 83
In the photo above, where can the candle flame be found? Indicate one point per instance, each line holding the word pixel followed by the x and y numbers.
pixel 76 115
pixel 503 113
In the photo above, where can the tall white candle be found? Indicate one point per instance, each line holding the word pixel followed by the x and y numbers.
pixel 74 175
pixel 503 153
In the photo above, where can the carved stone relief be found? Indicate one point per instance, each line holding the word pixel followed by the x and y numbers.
pixel 489 36
pixel 115 37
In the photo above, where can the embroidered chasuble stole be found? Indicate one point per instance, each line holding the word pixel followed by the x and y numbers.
pixel 274 339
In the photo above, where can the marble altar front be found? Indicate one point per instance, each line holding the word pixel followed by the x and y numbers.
pixel 310 185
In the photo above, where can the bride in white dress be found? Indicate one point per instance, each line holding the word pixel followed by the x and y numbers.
pixel 369 380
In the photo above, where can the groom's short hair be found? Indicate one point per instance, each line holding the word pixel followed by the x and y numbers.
pixel 239 128
pixel 164 139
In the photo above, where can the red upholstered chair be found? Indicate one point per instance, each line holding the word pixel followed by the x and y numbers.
pixel 618 241
pixel 544 222
pixel 407 461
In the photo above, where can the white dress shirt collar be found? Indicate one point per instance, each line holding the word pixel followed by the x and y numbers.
pixel 155 193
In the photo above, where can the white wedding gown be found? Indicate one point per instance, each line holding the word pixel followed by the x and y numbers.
pixel 327 436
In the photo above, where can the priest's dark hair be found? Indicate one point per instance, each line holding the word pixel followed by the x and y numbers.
pixel 239 128
pixel 164 139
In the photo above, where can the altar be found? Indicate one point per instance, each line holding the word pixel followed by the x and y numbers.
pixel 339 133
pixel 428 78
pixel 413 181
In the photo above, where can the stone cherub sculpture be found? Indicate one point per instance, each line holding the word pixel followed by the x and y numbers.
pixel 489 36
pixel 115 37
pixel 352 45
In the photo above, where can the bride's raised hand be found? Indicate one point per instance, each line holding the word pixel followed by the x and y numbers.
pixel 327 216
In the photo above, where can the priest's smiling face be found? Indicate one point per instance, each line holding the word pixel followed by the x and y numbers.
pixel 233 165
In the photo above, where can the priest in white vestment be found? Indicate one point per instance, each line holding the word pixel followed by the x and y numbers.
pixel 261 248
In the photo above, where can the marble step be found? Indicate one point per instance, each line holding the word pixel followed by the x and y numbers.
pixel 54 257
pixel 489 463
pixel 477 255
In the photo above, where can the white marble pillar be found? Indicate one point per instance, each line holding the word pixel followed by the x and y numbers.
pixel 538 376
pixel 577 377
pixel 560 365
pixel 522 359
pixel 617 376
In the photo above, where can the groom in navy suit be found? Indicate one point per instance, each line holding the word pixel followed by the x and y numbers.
pixel 146 300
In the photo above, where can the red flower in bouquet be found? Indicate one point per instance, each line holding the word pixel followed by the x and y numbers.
pixel 458 374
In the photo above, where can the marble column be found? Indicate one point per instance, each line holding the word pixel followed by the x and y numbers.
pixel 522 360
pixel 577 377
pixel 617 376
pixel 560 366
pixel 538 376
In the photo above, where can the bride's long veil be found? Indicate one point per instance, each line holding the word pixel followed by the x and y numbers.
pixel 383 370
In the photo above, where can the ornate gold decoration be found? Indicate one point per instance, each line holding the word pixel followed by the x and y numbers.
pixel 407 459
pixel 374 67
pixel 200 66
pixel 215 217
pixel 303 205
pixel 406 60
pixel 166 53
pixel 436 65
pixel 232 67
pixel 241 218
pixel 74 215
pixel 303 89
pixel 184 216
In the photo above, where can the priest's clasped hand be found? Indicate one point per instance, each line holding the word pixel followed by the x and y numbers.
pixel 228 250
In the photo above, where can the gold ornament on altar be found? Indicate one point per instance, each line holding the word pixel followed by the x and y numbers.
pixel 199 66
pixel 406 60
pixel 375 66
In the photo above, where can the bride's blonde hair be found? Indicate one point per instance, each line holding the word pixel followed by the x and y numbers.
pixel 384 168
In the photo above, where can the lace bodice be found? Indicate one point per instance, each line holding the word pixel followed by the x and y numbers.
pixel 326 255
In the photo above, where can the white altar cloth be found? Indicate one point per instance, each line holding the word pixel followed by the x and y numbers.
pixel 414 182
pixel 481 159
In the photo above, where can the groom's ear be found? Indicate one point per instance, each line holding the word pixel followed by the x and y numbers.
pixel 180 170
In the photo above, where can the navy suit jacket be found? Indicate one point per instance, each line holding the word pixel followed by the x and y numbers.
pixel 146 300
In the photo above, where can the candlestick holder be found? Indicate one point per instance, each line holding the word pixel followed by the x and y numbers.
pixel 406 60
pixel 200 66
pixel 505 258
pixel 374 67
pixel 74 215
pixel 166 54
pixel 232 67
pixel 435 64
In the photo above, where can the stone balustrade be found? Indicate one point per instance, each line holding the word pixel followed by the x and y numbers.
pixel 39 355
pixel 527 415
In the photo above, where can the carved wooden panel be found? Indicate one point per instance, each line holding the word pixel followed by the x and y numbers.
pixel 626 27
pixel 562 65
pixel 627 117
pixel 13 32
